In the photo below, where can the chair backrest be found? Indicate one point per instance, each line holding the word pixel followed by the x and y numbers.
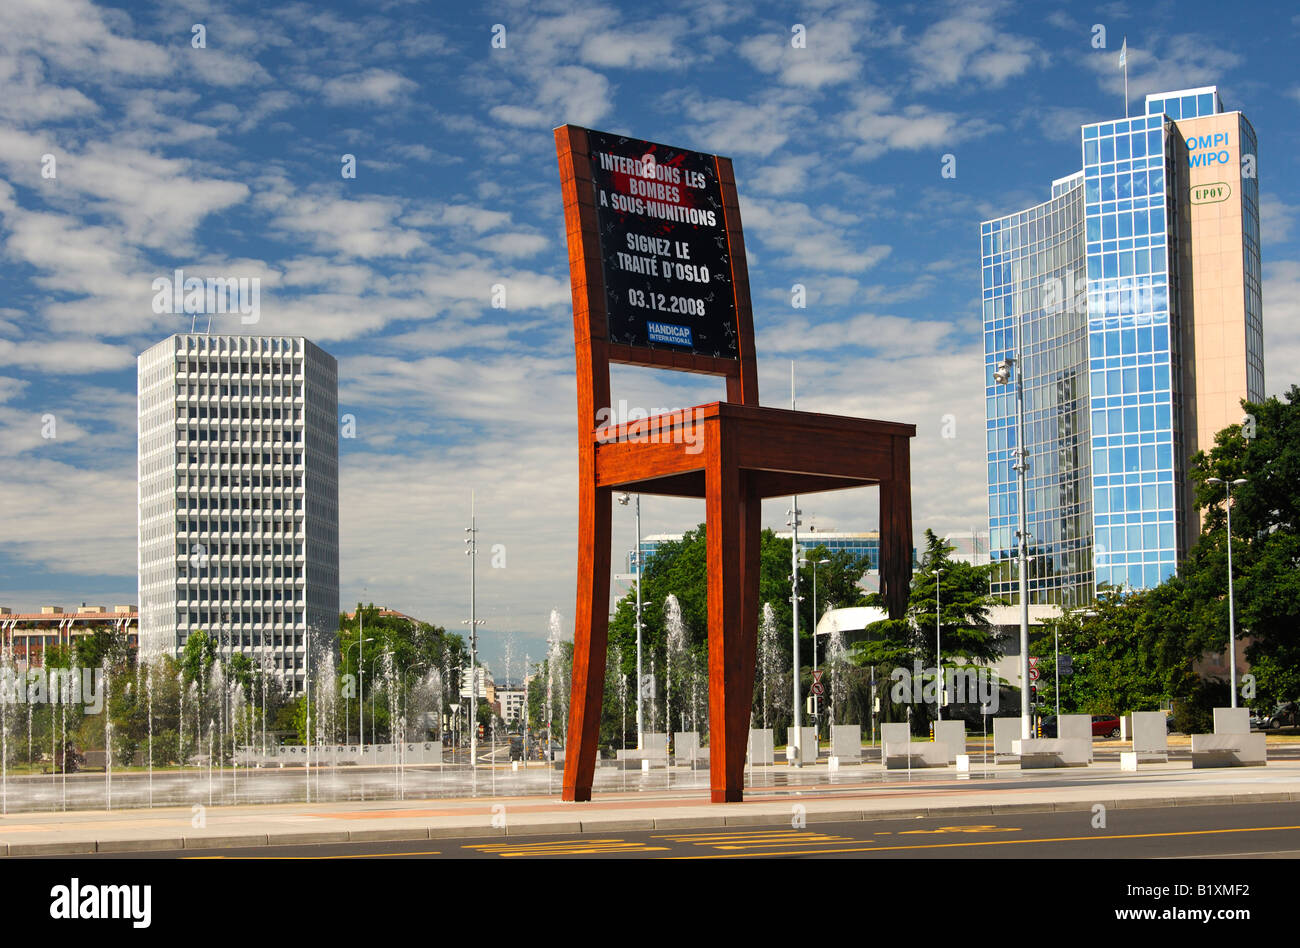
pixel 657 264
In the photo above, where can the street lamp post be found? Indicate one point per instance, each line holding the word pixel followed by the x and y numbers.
pixel 1002 375
pixel 640 722
pixel 815 564
pixel 796 719
pixel 347 714
pixel 1232 617
pixel 471 550
pixel 938 663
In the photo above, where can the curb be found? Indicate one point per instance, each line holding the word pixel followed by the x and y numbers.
pixel 624 825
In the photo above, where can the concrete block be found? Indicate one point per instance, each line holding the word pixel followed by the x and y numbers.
pixel 1231 720
pixel 846 742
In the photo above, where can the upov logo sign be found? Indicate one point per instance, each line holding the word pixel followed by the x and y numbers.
pixel 1210 193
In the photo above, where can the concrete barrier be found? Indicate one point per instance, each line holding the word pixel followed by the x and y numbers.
pixel 952 735
pixel 1231 744
pixel 760 752
pixel 807 746
pixel 1076 727
pixel 686 747
pixel 1150 735
pixel 1005 730
pixel 333 755
pixel 900 755
pixel 1228 750
pixel 1052 752
pixel 846 743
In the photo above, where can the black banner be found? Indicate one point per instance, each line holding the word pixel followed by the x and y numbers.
pixel 663 247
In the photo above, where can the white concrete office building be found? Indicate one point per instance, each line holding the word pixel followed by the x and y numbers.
pixel 238 498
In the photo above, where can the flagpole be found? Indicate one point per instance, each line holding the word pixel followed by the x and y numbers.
pixel 1125 60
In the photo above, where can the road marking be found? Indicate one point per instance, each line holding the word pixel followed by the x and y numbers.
pixel 572 847
pixel 999 842
pixel 965 829
pixel 432 852
pixel 759 839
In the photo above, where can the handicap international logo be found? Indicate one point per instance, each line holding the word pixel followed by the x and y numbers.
pixel 667 332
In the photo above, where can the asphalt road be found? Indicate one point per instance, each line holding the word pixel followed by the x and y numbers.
pixel 1238 831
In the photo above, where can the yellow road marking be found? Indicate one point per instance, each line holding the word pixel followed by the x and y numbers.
pixel 572 847
pixel 432 852
pixel 965 829
pixel 999 842
pixel 706 837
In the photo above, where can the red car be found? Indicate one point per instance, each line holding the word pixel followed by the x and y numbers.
pixel 1104 726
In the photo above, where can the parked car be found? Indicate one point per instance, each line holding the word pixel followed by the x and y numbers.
pixel 1286 714
pixel 1104 725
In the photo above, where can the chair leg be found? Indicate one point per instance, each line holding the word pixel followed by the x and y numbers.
pixel 896 532
pixel 590 636
pixel 730 660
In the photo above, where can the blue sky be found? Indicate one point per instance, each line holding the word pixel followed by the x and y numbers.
pixel 226 160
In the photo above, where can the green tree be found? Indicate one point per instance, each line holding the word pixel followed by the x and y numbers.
pixel 961 619
pixel 680 568
pixel 1265 543
pixel 198 657
pixel 400 652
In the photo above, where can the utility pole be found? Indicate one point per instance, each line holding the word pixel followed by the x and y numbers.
pixel 471 550
pixel 796 719
pixel 938 663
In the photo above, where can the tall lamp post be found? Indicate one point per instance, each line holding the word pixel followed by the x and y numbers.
pixel 1002 375
pixel 347 717
pixel 471 550
pixel 938 663
pixel 640 723
pixel 1232 617
pixel 815 564
pixel 796 720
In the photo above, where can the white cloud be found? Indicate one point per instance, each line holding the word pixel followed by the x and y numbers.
pixel 1281 294
pixel 807 238
pixel 969 47
pixel 828 58
pixel 878 126
pixel 65 356
pixel 370 87
pixel 1275 219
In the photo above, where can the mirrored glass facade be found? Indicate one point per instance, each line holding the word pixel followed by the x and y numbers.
pixel 1034 299
pixel 1136 321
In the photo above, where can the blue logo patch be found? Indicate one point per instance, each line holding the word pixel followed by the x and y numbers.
pixel 667 332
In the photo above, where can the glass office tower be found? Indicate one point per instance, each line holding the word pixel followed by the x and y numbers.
pixel 1139 333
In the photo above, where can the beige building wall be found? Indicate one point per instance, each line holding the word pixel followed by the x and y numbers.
pixel 1213 271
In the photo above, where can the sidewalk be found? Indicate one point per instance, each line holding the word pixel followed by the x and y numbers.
pixel 927 794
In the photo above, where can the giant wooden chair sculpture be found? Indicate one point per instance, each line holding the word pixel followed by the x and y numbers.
pixel 732 453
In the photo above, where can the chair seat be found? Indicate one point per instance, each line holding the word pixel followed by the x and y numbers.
pixel 792 452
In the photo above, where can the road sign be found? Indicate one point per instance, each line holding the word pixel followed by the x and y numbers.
pixel 1033 661
pixel 817 687
pixel 1033 674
